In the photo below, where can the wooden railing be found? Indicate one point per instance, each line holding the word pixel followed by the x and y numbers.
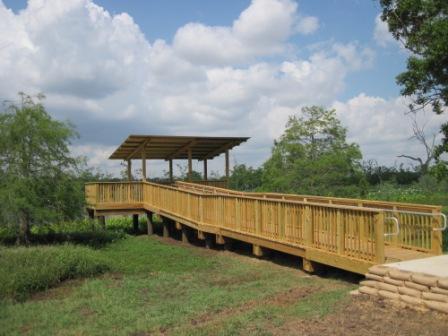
pixel 212 183
pixel 418 223
pixel 347 231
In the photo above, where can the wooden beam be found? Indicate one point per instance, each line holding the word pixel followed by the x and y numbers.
pixel 138 149
pixel 143 165
pixel 227 164
pixel 171 170
pixel 218 151
pixel 190 165
pixel 129 170
pixel 181 150
pixel 205 170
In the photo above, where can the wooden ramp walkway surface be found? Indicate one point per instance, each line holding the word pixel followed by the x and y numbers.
pixel 345 233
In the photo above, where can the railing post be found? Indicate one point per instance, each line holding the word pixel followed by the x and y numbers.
pixel 201 209
pixel 436 236
pixel 237 214
pixel 258 225
pixel 379 238
pixel 308 226
pixel 340 227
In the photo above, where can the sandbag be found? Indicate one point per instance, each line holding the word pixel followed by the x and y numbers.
pixel 411 300
pixel 399 274
pixel 394 282
pixel 421 288
pixel 410 292
pixel 375 277
pixel 439 290
pixel 434 297
pixel 424 279
pixel 379 270
pixel 387 287
pixel 442 283
pixel 389 295
pixel 369 283
pixel 368 290
pixel 439 306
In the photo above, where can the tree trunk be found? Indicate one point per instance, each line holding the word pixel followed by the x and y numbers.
pixel 24 230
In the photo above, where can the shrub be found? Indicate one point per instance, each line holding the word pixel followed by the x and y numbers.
pixel 83 232
pixel 25 270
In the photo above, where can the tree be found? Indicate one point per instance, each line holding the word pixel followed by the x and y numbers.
pixel 429 145
pixel 38 177
pixel 245 178
pixel 313 156
pixel 422 27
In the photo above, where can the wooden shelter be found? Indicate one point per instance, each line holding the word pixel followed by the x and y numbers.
pixel 169 148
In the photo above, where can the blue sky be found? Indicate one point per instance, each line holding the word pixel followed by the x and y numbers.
pixel 208 67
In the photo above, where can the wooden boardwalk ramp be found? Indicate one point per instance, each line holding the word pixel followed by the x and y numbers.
pixel 349 234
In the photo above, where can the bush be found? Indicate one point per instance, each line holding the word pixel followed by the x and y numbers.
pixel 83 232
pixel 25 270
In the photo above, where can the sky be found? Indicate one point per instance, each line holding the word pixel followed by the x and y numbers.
pixel 217 68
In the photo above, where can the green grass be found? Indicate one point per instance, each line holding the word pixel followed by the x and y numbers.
pixel 154 287
pixel 27 270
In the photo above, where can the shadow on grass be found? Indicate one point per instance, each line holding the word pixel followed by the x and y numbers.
pixel 279 258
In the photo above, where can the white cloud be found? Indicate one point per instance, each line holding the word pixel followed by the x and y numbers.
pixel 260 30
pixel 382 127
pixel 308 25
pixel 381 33
pixel 99 71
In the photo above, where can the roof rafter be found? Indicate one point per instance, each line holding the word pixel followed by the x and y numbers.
pixel 181 150
pixel 217 151
pixel 139 148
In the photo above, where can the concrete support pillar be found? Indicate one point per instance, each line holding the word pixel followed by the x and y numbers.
pixel 257 250
pixel 135 223
pixel 309 266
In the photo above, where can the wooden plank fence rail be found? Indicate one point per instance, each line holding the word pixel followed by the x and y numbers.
pixel 349 236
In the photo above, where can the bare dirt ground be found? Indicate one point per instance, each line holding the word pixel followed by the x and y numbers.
pixel 365 316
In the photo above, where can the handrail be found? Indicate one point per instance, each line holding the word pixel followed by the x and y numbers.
pixel 444 226
pixel 397 225
pixel 424 207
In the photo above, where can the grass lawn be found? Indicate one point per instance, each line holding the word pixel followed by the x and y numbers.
pixel 157 286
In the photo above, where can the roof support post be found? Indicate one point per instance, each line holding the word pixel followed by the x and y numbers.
pixel 143 165
pixel 227 164
pixel 190 166
pixel 171 169
pixel 129 170
pixel 205 170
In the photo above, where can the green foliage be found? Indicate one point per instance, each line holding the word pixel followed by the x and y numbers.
pixel 38 181
pixel 27 270
pixel 80 232
pixel 313 157
pixel 422 26
pixel 245 178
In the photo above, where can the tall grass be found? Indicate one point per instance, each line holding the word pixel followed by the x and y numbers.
pixel 25 270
